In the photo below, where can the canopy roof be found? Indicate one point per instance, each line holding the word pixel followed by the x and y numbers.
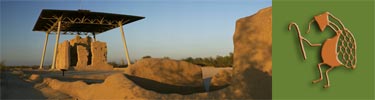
pixel 76 21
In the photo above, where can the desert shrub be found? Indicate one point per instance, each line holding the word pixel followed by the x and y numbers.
pixel 218 61
pixel 144 57
pixel 2 65
pixel 166 57
pixel 114 64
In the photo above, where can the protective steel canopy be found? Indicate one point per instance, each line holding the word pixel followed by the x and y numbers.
pixel 76 21
pixel 72 22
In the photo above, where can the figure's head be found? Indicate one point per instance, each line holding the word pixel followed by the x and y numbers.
pixel 322 20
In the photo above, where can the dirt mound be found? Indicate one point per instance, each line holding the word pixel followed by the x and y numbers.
pixel 17 72
pixel 71 88
pixel 252 70
pixel 173 72
pixel 33 78
pixel 116 86
pixel 253 42
pixel 223 77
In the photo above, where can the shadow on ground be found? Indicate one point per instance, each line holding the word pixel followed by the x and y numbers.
pixel 87 81
pixel 260 84
pixel 167 88
pixel 13 87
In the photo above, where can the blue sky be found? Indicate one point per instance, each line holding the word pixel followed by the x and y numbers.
pixel 175 28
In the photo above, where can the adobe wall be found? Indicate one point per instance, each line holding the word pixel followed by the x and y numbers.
pixel 63 57
pixel 84 49
pixel 99 56
pixel 82 54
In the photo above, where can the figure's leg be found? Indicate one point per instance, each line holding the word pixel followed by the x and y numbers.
pixel 320 73
pixel 327 85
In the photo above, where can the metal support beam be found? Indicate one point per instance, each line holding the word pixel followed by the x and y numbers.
pixel 93 33
pixel 44 51
pixel 52 27
pixel 56 45
pixel 46 41
pixel 123 40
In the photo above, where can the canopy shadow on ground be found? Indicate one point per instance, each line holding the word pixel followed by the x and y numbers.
pixel 167 88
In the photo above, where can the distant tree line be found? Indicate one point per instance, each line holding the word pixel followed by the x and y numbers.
pixel 121 65
pixel 2 65
pixel 218 61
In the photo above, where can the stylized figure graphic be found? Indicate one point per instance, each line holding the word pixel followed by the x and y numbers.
pixel 340 50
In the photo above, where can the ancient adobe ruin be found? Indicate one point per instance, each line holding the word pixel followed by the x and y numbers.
pixel 82 54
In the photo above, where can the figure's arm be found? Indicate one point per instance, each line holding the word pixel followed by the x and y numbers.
pixel 313 45
pixel 300 37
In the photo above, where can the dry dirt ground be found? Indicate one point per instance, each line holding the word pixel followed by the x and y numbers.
pixel 17 84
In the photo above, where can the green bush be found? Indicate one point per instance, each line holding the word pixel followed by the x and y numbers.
pixel 144 57
pixel 219 61
pixel 2 65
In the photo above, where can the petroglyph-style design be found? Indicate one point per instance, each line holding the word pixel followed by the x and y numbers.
pixel 339 50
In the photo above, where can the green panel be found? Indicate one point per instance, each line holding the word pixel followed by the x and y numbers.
pixel 293 76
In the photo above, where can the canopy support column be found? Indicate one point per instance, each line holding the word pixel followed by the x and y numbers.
pixel 44 51
pixel 93 33
pixel 56 45
pixel 123 40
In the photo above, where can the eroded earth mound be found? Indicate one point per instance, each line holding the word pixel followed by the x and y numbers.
pixel 167 71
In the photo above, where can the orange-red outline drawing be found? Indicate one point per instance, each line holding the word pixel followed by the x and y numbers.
pixel 339 50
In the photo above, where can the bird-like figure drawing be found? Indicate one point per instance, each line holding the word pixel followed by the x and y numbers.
pixel 339 50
